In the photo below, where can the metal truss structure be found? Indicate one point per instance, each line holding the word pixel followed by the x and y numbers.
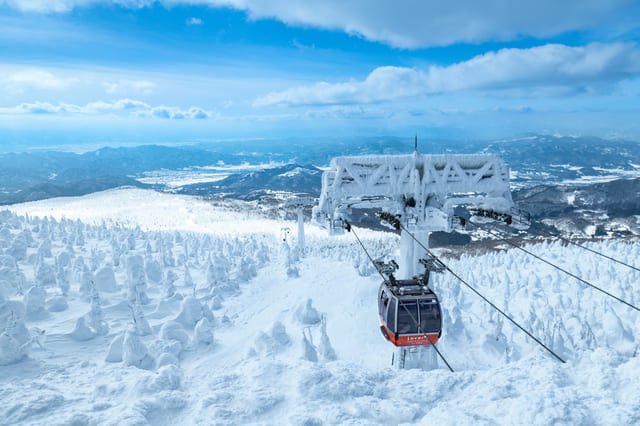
pixel 422 189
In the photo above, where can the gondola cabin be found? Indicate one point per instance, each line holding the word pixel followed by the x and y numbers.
pixel 409 313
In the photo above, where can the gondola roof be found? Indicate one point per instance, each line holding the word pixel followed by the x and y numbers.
pixel 409 289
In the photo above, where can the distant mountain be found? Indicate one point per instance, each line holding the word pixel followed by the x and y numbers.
pixel 533 161
pixel 40 175
pixel 616 198
pixel 258 184
pixel 612 207
pixel 45 190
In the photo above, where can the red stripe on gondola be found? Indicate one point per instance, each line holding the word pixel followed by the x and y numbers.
pixel 410 339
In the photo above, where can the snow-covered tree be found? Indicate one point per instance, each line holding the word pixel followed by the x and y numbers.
pixel 45 275
pixel 136 279
pixel 290 263
pixel 308 349
pixel 246 269
pixel 140 323
pixel 35 303
pixel 95 316
pixel 169 279
pixel 167 255
pixel 131 241
pixel 218 276
pixel 135 353
pixel 325 350
pixel 153 270
pixel 203 332
pixel 105 279
pixel 188 280
pixel 14 336
pixel 18 248
pixel 45 248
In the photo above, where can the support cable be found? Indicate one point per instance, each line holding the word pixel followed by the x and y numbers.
pixel 484 298
pixel 568 241
pixel 582 280
pixel 350 229
pixel 433 345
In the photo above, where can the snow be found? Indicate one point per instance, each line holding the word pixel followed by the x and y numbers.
pixel 295 172
pixel 151 211
pixel 195 175
pixel 302 349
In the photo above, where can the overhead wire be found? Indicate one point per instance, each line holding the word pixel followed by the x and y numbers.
pixel 568 241
pixel 514 322
pixel 582 280
pixel 350 229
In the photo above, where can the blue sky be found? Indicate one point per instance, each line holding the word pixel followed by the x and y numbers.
pixel 89 71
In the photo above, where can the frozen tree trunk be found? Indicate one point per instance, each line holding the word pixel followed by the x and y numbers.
pixel 326 351
pixel 308 350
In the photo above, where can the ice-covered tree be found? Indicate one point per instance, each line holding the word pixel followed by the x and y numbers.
pixel 45 248
pixel 105 279
pixel 148 250
pixel 45 275
pixel 188 280
pixel 325 350
pixel 11 350
pixel 308 349
pixel 246 269
pixel 18 248
pixel 78 239
pixel 203 332
pixel 86 282
pixel 131 241
pixel 218 276
pixel 35 303
pixel 169 279
pixel 140 323
pixel 167 254
pixel 191 311
pixel 95 317
pixel 290 263
pixel 135 353
pixel 153 270
pixel 136 279
pixel 14 337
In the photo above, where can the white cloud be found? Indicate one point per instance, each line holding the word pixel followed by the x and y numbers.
pixel 62 6
pixel 33 79
pixel 125 87
pixel 383 83
pixel 547 69
pixel 421 23
pixel 177 113
pixel 121 107
pixel 407 23
pixel 193 21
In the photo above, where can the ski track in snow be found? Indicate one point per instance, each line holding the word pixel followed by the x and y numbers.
pixel 275 359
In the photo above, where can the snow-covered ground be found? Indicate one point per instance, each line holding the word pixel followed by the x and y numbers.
pixel 156 211
pixel 203 316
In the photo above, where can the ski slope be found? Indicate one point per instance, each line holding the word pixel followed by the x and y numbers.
pixel 258 337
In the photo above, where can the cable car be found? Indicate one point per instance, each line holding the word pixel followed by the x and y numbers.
pixel 409 312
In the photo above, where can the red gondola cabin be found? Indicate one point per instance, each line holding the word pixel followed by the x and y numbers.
pixel 409 313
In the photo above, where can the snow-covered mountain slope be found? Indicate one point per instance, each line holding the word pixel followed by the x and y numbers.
pixel 192 320
pixel 153 210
